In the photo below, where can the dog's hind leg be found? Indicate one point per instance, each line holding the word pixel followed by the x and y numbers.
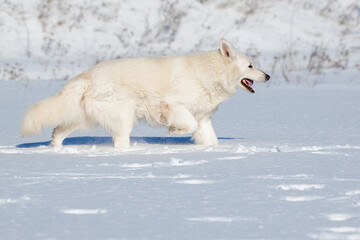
pixel 119 123
pixel 62 131
pixel 205 134
pixel 116 115
pixel 179 119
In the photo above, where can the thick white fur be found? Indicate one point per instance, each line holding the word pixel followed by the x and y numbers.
pixel 179 92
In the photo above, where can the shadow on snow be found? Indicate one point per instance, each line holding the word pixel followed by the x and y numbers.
pixel 108 140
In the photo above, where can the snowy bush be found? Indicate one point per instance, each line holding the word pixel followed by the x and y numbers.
pixel 294 40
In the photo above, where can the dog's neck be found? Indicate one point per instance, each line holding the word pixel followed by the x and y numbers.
pixel 223 83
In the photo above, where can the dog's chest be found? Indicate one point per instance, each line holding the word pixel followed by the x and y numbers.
pixel 206 104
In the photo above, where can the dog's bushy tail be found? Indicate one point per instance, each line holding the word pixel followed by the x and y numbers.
pixel 62 108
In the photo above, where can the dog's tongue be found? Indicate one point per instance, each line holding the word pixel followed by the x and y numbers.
pixel 247 83
pixel 250 83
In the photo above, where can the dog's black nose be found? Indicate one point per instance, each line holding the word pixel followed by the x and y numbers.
pixel 267 77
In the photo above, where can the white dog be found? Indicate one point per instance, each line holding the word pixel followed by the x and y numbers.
pixel 179 92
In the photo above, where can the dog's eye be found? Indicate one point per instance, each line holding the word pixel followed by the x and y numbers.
pixel 250 66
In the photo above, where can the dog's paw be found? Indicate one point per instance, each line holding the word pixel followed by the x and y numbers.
pixel 56 143
pixel 174 130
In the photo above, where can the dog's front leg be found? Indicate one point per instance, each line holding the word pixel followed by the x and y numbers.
pixel 205 134
pixel 179 119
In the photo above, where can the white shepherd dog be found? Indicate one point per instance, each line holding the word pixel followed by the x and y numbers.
pixel 178 92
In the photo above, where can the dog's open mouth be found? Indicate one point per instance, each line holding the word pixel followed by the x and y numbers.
pixel 247 83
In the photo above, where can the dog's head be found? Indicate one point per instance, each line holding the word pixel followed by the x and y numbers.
pixel 246 72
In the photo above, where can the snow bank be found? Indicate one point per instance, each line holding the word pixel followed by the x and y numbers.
pixel 58 39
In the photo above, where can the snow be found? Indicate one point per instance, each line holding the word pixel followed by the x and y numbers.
pixel 288 162
pixel 339 217
pixel 287 168
pixel 298 41
pixel 300 187
pixel 84 211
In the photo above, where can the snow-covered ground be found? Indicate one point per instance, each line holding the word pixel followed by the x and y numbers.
pixel 287 168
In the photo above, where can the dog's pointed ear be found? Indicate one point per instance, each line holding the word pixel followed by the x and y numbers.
pixel 226 49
